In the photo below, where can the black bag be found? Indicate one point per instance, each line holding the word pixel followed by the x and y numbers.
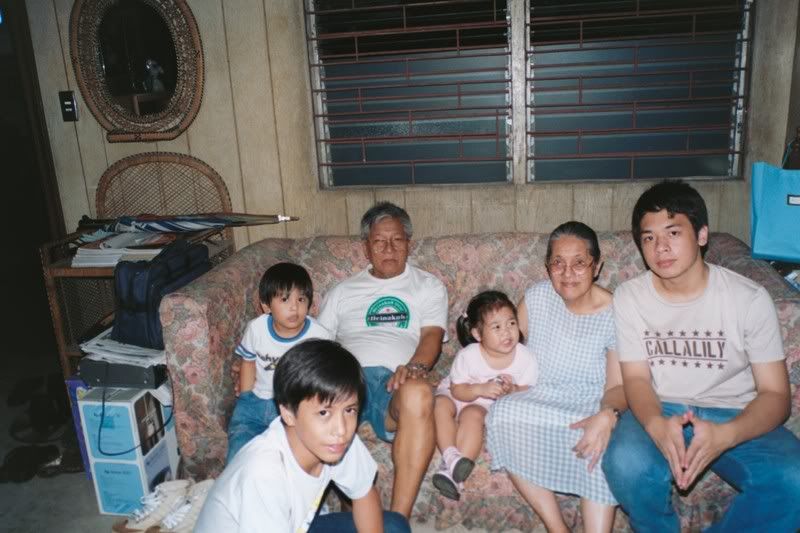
pixel 140 285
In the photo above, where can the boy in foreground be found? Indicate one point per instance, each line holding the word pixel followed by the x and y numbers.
pixel 705 377
pixel 276 481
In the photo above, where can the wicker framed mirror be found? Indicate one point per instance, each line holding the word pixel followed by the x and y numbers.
pixel 139 66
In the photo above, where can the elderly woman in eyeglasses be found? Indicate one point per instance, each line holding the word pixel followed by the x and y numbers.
pixel 551 438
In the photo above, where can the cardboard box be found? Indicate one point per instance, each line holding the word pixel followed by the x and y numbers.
pixel 77 389
pixel 131 444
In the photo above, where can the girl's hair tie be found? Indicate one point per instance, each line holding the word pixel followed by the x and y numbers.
pixel 464 315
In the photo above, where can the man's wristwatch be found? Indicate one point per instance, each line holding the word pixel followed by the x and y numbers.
pixel 417 367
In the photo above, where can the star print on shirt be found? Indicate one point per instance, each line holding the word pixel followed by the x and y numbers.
pixel 666 349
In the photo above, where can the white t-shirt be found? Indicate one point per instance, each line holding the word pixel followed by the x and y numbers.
pixel 264 489
pixel 262 344
pixel 470 367
pixel 699 351
pixel 379 320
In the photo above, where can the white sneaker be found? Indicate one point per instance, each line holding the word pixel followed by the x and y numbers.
pixel 183 518
pixel 155 506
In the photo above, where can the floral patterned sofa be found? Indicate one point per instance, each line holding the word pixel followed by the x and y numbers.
pixel 203 322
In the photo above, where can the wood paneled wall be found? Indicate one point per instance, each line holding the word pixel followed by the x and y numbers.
pixel 255 128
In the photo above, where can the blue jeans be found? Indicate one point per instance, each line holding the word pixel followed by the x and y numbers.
pixel 251 417
pixel 343 522
pixel 376 402
pixel 765 471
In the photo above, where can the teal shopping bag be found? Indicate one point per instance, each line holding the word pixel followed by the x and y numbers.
pixel 775 213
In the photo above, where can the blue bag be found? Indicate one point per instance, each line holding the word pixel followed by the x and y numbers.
pixel 140 285
pixel 775 213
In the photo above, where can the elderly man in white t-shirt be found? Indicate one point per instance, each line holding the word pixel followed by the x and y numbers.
pixel 393 317
pixel 704 374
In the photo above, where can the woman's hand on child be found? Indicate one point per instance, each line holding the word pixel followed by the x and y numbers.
pixel 596 433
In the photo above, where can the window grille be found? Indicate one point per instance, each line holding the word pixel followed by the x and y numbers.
pixel 629 89
pixel 410 91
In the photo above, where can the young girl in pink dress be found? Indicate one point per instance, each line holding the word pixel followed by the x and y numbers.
pixel 492 364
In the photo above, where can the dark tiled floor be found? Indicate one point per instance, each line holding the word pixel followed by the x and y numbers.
pixel 62 503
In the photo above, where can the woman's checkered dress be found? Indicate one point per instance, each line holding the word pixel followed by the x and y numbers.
pixel 528 433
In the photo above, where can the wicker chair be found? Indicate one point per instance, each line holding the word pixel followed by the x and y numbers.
pixel 161 183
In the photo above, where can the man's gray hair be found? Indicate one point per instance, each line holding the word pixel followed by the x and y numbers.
pixel 383 210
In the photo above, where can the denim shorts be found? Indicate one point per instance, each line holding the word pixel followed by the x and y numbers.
pixel 376 404
pixel 251 417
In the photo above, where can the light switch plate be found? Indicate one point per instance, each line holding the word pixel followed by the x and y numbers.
pixel 69 108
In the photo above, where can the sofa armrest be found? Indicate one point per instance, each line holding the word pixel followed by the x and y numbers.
pixel 202 323
pixel 727 251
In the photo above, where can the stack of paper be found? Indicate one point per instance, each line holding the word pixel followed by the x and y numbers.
pixel 103 348
pixel 121 247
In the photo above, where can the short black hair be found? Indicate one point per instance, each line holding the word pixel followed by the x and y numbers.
pixel 320 369
pixel 281 278
pixel 676 197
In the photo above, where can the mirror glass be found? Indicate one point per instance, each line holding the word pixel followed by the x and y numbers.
pixel 139 66
pixel 137 57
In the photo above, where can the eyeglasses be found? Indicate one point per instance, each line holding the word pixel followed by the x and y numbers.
pixel 381 245
pixel 579 267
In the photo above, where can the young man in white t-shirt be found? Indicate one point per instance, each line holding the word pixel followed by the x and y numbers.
pixel 704 374
pixel 277 481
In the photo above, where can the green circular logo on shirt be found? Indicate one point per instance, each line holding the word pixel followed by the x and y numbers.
pixel 388 311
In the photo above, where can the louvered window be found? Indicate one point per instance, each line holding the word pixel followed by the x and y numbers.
pixel 410 91
pixel 632 89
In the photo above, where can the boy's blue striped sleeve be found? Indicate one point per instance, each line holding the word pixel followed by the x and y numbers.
pixel 244 353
